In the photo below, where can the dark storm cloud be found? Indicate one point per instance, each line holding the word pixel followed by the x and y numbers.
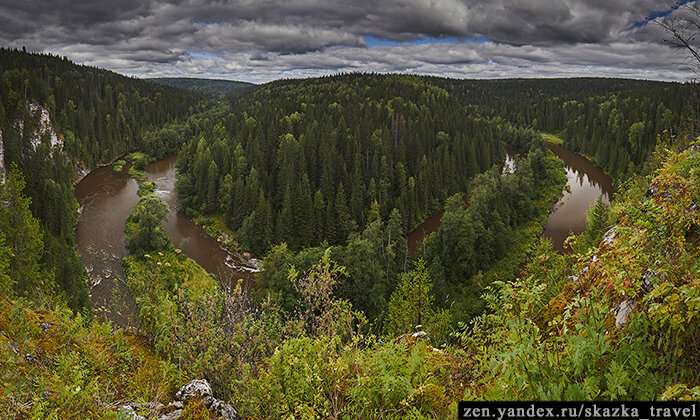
pixel 259 40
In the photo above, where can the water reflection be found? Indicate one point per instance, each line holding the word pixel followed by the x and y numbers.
pixel 587 182
pixel 106 199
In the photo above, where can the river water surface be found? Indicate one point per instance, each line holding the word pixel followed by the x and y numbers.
pixel 106 199
pixel 586 183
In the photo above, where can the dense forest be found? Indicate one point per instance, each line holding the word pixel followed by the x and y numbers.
pixel 212 86
pixel 322 179
pixel 356 161
pixel 57 119
pixel 302 162
pixel 615 122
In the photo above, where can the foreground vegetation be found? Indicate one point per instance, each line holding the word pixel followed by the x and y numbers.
pixel 552 332
pixel 549 333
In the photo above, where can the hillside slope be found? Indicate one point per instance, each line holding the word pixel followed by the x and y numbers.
pixel 615 122
pixel 614 321
pixel 59 119
pixel 218 87
pixel 617 321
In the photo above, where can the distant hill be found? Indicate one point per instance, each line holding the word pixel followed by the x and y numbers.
pixel 213 86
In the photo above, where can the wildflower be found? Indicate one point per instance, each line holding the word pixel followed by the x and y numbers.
pixel 146 256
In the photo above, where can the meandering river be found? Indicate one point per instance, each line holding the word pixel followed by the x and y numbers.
pixel 586 183
pixel 106 199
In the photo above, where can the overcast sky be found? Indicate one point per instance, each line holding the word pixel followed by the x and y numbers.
pixel 263 40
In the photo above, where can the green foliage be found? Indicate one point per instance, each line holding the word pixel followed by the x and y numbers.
pixel 97 115
pixel 558 333
pixel 212 86
pixel 309 377
pixel 161 143
pixel 137 173
pixel 411 306
pixel 144 232
pixel 139 161
pixel 179 306
pixel 22 243
pixel 486 234
pixel 353 161
pixel 146 188
pixel 56 365
pixel 616 122
pixel 598 220
pixel 275 275
pixel 118 165
pixel 291 164
pixel 6 281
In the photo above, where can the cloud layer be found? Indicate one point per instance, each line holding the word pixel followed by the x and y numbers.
pixel 261 40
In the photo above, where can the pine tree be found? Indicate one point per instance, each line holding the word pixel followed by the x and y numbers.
pixel 212 187
pixel 411 304
pixel 23 237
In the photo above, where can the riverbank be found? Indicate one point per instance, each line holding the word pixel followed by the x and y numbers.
pixel 466 297
pixel 552 138
pixel 82 173
pixel 107 197
pixel 585 183
pixel 215 226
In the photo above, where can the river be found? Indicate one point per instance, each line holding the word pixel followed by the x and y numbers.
pixel 106 199
pixel 586 183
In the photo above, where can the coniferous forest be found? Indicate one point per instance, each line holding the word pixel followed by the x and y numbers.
pixel 320 181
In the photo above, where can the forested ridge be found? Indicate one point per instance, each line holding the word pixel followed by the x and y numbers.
pixel 313 155
pixel 615 122
pixel 212 86
pixel 58 118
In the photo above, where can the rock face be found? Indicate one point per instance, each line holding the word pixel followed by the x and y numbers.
pixel 623 311
pixel 224 410
pixel 128 413
pixel 198 389
pixel 45 128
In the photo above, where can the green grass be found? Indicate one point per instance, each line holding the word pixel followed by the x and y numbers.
pixel 118 165
pixel 551 138
pixel 58 365
pixel 161 269
pixel 215 225
pixel 137 173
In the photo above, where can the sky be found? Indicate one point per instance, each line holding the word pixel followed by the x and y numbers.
pixel 262 40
